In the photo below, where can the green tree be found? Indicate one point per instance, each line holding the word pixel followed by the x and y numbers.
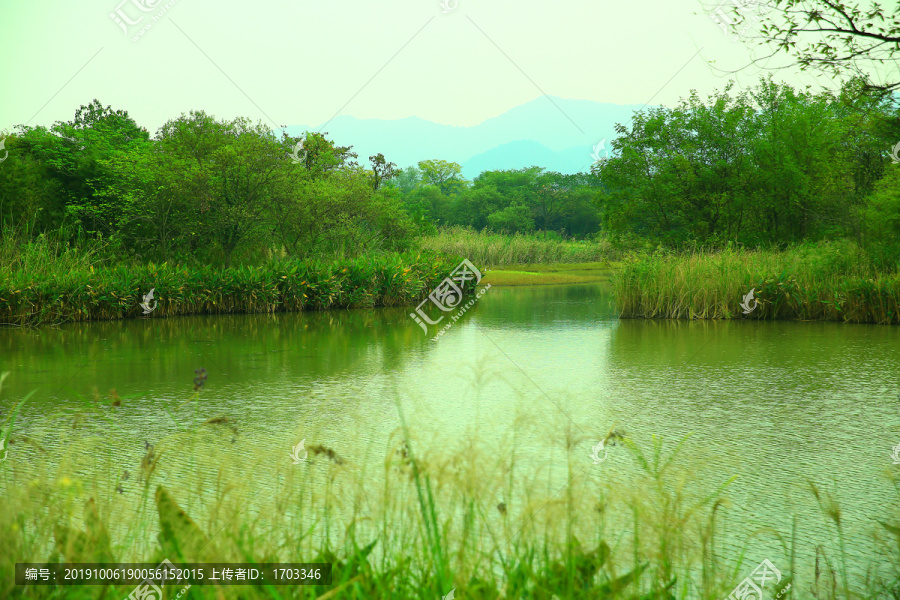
pixel 319 155
pixel 76 154
pixel 769 165
pixel 406 180
pixel 834 36
pixel 428 200
pixel 158 219
pixel 239 174
pixel 444 175
pixel 196 135
pixel 472 206
pixel 512 219
pixel 338 214
pixel 29 193
pixel 880 217
pixel 382 170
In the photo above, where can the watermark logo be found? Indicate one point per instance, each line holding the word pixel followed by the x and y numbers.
pixel 746 303
pixel 754 584
pixel 121 18
pixel 295 455
pixel 146 303
pixel 596 153
pixel 595 453
pixel 895 455
pixel 125 21
pixel 726 16
pixel 148 590
pixel 3 450
pixel 449 596
pixel 895 151
pixel 783 591
pixel 295 155
pixel 448 295
pixel 5 151
pixel 447 6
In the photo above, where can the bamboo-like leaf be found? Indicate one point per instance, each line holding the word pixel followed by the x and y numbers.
pixel 85 547
pixel 179 535
pixel 894 529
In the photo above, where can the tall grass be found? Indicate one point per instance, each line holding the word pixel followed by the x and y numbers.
pixel 494 249
pixel 434 526
pixel 40 289
pixel 831 281
pixel 45 255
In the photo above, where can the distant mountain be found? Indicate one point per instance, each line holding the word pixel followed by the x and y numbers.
pixel 548 132
pixel 527 153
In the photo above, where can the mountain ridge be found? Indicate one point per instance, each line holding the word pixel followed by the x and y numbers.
pixel 555 133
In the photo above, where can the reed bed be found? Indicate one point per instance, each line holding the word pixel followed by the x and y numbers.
pixel 494 249
pixel 77 291
pixel 48 254
pixel 829 281
pixel 434 527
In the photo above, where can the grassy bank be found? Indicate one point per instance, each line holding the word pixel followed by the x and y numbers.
pixel 494 249
pixel 434 526
pixel 550 274
pixel 47 283
pixel 45 280
pixel 830 281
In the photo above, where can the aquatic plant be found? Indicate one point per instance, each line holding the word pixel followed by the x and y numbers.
pixel 435 525
pixel 830 281
pixel 76 293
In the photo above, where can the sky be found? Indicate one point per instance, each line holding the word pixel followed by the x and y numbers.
pixel 287 62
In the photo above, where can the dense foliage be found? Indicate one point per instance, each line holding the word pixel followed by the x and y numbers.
pixel 202 189
pixel 512 201
pixel 77 293
pixel 769 166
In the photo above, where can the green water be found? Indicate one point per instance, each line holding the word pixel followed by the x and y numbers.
pixel 772 403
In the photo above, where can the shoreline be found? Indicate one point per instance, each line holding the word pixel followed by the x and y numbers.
pixel 116 293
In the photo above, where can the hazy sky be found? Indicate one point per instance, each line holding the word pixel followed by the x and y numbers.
pixel 302 62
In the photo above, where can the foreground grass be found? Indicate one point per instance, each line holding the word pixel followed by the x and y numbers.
pixel 435 525
pixel 832 281
pixel 494 249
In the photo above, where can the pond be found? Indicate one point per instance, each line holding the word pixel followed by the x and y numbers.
pixel 543 372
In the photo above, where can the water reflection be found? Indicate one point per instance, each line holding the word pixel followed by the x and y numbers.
pixel 773 403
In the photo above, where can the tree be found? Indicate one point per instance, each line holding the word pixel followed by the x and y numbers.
pixel 770 165
pixel 428 200
pixel 319 155
pixel 515 184
pixel 195 135
pixel 473 205
pixel 834 35
pixel 406 180
pixel 75 154
pixel 494 191
pixel 512 219
pixel 338 214
pixel 444 175
pixel 881 219
pixel 244 181
pixel 158 218
pixel 580 215
pixel 381 170
pixel 238 176
pixel 29 193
